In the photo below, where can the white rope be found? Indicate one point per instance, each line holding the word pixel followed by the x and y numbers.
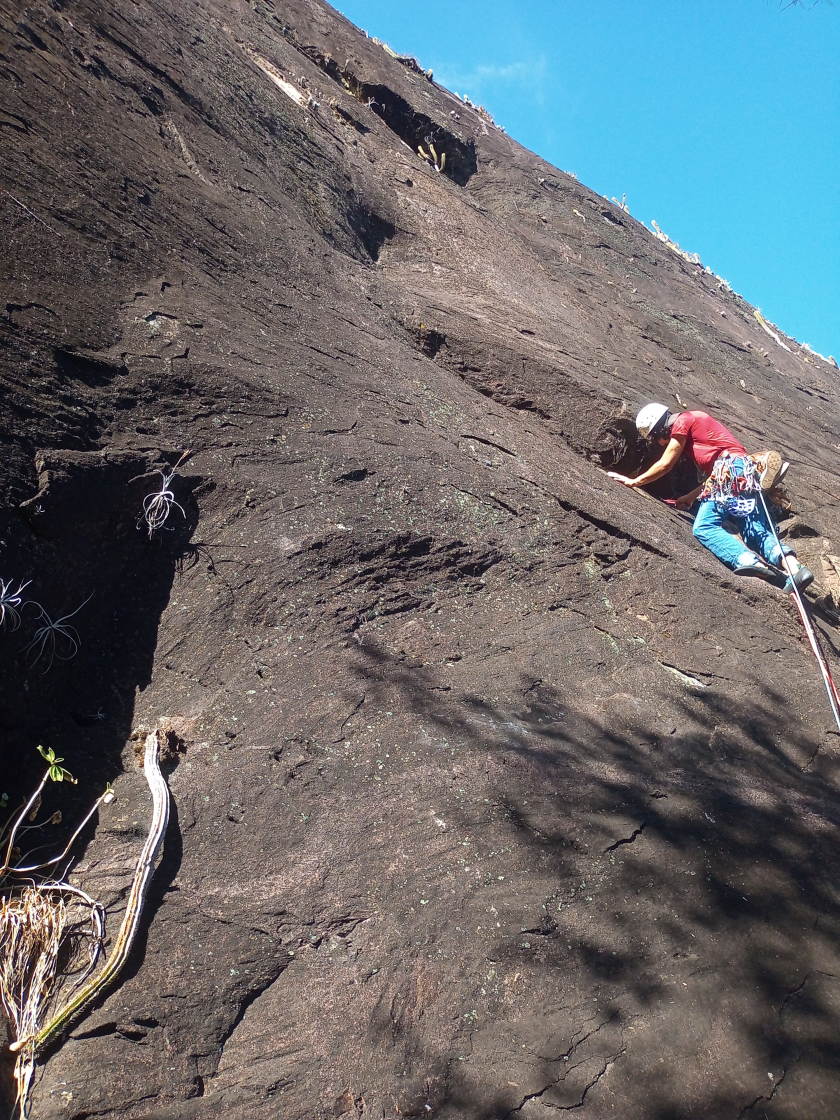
pixel 806 622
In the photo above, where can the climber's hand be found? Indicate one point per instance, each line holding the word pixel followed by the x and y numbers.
pixel 622 478
pixel 688 500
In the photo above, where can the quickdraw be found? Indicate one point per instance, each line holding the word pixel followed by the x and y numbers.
pixel 733 477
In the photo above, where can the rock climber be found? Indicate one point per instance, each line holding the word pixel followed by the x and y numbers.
pixel 731 477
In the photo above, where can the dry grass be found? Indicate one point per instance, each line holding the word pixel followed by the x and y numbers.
pixel 50 930
pixel 31 928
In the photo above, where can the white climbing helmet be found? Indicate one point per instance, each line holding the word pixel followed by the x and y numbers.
pixel 651 417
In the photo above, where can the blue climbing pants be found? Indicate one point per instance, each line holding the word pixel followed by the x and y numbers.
pixel 753 527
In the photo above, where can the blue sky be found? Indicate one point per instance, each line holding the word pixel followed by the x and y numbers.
pixel 720 119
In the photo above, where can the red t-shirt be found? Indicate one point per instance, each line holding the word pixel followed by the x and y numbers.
pixel 705 439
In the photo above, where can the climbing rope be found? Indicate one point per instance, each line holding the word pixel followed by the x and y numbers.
pixel 830 687
pixel 733 482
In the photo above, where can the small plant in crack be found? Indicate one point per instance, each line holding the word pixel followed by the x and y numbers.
pixel 56 772
pixel 431 157
pixel 11 604
pixel 158 505
pixel 51 639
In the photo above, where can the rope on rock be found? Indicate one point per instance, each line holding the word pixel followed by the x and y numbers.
pixel 828 681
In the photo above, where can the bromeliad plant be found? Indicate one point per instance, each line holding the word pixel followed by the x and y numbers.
pixel 53 637
pixel 11 603
pixel 40 913
pixel 158 505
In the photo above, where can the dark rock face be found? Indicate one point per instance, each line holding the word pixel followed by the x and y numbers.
pixel 500 796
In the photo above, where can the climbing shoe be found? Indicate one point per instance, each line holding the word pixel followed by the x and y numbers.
pixel 802 579
pixel 761 571
pixel 772 470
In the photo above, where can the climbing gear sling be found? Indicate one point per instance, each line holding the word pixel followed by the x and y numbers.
pixel 733 478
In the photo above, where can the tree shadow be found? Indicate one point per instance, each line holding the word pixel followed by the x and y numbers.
pixel 720 835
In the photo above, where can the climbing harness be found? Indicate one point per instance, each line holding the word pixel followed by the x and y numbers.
pixel 828 681
pixel 732 478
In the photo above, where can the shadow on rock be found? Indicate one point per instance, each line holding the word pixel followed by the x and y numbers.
pixel 689 870
pixel 71 686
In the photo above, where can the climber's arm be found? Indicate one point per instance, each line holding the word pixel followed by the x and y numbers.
pixel 661 467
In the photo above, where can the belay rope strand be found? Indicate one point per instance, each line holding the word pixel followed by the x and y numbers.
pixel 830 687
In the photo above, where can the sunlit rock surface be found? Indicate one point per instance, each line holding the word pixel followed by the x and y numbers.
pixel 499 796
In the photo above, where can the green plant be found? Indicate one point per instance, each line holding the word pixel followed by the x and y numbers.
pixel 56 772
pixel 438 162
pixel 133 910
